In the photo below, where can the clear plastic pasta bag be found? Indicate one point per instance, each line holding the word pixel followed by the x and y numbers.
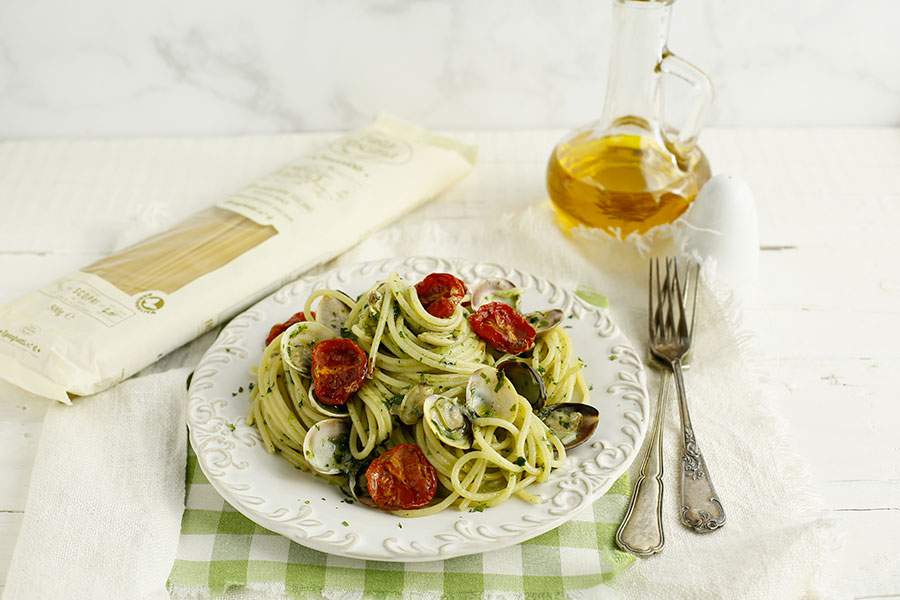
pixel 95 327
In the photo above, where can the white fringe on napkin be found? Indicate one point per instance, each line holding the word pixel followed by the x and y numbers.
pixel 106 497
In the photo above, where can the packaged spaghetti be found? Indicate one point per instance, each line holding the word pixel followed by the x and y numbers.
pixel 96 326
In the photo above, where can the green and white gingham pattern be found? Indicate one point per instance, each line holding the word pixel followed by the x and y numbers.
pixel 220 549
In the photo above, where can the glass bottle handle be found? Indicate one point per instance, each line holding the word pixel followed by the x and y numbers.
pixel 686 138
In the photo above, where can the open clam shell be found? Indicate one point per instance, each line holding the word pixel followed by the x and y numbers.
pixel 527 382
pixel 332 313
pixel 447 420
pixel 297 344
pixel 544 321
pixel 572 422
pixel 412 407
pixel 490 394
pixel 495 290
pixel 326 446
pixel 358 484
pixel 338 411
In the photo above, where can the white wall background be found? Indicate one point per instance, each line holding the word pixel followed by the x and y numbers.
pixel 173 67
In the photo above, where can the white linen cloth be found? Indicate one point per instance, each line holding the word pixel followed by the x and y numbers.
pixel 774 544
pixel 106 497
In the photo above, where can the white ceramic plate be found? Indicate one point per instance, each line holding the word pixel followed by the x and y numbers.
pixel 309 511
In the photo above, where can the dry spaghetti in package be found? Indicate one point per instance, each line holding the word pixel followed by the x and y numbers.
pixel 95 327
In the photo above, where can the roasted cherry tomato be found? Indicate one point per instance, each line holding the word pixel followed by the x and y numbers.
pixel 503 328
pixel 338 370
pixel 439 294
pixel 280 327
pixel 401 479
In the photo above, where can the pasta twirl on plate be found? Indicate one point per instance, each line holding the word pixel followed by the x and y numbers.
pixel 428 381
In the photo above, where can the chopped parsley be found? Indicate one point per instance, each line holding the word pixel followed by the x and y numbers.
pixel 500 378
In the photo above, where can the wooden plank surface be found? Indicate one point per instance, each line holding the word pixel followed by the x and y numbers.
pixel 826 317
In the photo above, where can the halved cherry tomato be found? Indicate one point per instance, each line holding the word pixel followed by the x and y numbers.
pixel 338 370
pixel 503 328
pixel 401 479
pixel 439 294
pixel 280 327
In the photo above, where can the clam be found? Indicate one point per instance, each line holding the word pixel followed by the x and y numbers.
pixel 495 290
pixel 338 411
pixel 490 394
pixel 297 343
pixel 326 446
pixel 572 422
pixel 544 321
pixel 412 407
pixel 332 313
pixel 358 484
pixel 526 380
pixel 447 420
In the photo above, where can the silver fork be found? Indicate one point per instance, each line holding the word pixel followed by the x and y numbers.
pixel 641 531
pixel 670 340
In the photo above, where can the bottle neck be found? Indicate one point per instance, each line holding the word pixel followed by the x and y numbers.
pixel 640 32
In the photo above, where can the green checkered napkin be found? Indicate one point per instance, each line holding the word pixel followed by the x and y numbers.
pixel 221 549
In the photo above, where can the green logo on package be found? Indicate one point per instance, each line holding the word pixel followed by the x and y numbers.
pixel 149 303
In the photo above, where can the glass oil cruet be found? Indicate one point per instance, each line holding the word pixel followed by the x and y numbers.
pixel 629 172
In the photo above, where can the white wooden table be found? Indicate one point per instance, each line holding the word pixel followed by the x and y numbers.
pixel 827 315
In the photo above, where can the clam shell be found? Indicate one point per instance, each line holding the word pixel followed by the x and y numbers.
pixel 325 446
pixel 544 321
pixel 528 383
pixel 412 407
pixel 490 394
pixel 491 290
pixel 332 313
pixel 572 422
pixel 358 484
pixel 338 411
pixel 447 420
pixel 297 343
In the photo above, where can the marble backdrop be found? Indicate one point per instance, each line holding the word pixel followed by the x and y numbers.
pixel 175 67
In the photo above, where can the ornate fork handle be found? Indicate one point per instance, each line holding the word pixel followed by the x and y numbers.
pixel 701 509
pixel 641 531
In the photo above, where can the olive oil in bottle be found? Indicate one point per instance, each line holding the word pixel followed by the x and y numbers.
pixel 630 171
pixel 622 184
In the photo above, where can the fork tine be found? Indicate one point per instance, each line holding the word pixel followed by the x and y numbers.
pixel 656 321
pixel 669 328
pixel 682 327
pixel 660 303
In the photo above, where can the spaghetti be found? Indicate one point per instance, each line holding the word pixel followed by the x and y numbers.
pixel 413 355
